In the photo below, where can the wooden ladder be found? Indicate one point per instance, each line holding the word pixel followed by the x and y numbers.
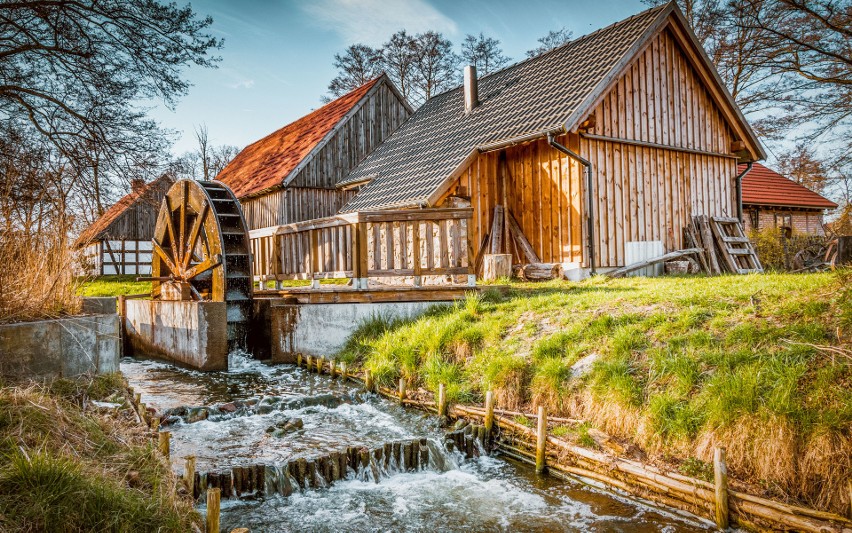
pixel 737 251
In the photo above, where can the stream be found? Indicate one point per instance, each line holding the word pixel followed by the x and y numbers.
pixel 247 416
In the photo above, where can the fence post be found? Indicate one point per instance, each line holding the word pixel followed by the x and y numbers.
pixel 720 474
pixel 401 390
pixel 541 440
pixel 164 438
pixel 332 368
pixel 489 414
pixel 368 380
pixel 189 473
pixel 442 400
pixel 360 263
pixel 213 496
pixel 415 234
pixel 315 266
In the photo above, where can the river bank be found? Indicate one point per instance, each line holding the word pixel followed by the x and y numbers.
pixel 671 368
pixel 76 458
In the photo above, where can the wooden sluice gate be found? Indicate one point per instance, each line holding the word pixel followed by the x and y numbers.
pixel 353 462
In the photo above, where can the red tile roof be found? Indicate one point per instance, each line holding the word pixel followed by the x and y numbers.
pixel 266 163
pixel 148 191
pixel 763 186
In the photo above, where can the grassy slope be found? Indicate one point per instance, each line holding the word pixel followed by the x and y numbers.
pixel 66 469
pixel 684 364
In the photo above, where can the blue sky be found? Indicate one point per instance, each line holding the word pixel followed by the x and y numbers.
pixel 277 58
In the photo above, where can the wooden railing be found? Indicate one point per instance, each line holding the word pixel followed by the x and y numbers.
pixel 416 243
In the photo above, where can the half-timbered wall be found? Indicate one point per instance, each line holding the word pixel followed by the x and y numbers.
pixel 293 204
pixel 660 153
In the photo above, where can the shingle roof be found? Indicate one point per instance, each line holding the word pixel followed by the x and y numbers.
pixel 150 192
pixel 533 96
pixel 764 186
pixel 267 163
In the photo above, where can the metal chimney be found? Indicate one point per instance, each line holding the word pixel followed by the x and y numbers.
pixel 471 89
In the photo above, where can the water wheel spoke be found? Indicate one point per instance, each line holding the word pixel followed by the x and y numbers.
pixel 182 227
pixel 204 266
pixel 170 226
pixel 193 237
pixel 158 249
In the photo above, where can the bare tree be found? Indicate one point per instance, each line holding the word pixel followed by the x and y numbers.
pixel 399 55
pixel 435 64
pixel 484 53
pixel 355 67
pixel 553 39
pixel 802 165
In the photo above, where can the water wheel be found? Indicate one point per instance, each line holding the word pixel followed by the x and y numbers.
pixel 201 251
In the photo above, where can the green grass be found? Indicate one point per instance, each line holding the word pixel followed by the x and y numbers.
pixel 66 469
pixel 680 361
pixel 113 286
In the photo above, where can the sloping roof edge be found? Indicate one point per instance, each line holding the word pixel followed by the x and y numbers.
pixel 377 83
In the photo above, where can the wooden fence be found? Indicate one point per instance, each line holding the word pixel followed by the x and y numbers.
pixel 415 243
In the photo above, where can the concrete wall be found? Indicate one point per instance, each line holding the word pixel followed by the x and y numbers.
pixel 100 305
pixel 64 347
pixel 191 333
pixel 322 329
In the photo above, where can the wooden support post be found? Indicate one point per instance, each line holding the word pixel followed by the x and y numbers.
pixel 298 359
pixel 489 414
pixel 163 442
pixel 415 253
pixel 343 374
pixel 401 389
pixel 155 423
pixel 319 364
pixel 309 363
pixel 213 496
pixel 442 400
pixel 368 380
pixel 360 259
pixel 720 474
pixel 143 413
pixel 332 368
pixel 189 473
pixel 315 259
pixel 541 440
pixel 137 398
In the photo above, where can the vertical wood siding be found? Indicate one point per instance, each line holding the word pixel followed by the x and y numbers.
pixel 293 204
pixel 647 193
pixel 640 192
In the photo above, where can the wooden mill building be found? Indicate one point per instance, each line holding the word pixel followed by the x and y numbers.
pixel 291 174
pixel 119 241
pixel 619 136
pixel 771 200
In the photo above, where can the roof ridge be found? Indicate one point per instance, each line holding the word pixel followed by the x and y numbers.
pixel 561 46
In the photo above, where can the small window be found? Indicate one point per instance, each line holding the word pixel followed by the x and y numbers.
pixel 784 221
pixel 755 219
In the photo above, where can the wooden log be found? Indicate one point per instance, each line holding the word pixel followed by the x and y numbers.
pixel 497 266
pixel 164 438
pixel 720 476
pixel 653 261
pixel 707 240
pixel 401 390
pixel 442 400
pixel 540 271
pixel 489 414
pixel 213 496
pixel 320 361
pixel 541 441
pixel 189 473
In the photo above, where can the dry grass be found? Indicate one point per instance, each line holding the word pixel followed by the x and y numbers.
pixel 36 280
pixel 68 468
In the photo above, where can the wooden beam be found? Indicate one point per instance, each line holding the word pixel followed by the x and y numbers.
pixel 497 230
pixel 521 239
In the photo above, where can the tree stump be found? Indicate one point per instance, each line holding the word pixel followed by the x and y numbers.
pixel 497 266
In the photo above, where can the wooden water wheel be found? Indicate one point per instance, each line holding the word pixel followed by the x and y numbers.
pixel 202 252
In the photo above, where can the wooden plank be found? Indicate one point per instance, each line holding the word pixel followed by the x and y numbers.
pixel 497 230
pixel 521 239
pixel 653 261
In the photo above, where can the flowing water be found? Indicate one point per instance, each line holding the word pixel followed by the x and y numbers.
pixel 247 407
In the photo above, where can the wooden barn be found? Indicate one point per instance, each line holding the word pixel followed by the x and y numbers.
pixel 772 201
pixel 619 136
pixel 291 174
pixel 119 241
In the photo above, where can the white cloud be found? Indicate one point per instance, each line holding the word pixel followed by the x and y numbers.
pixel 242 84
pixel 373 21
